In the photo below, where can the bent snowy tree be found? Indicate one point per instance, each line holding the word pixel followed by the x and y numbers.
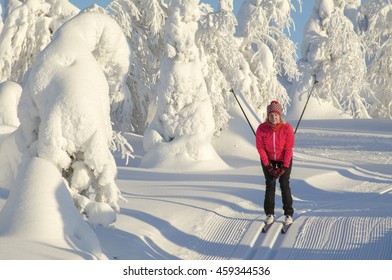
pixel 65 109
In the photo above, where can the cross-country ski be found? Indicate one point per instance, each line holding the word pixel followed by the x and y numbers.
pixel 267 227
pixel 285 228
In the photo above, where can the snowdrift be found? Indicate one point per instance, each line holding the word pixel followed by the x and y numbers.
pixel 39 219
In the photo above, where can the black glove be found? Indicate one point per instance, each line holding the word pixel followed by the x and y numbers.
pixel 270 169
pixel 280 171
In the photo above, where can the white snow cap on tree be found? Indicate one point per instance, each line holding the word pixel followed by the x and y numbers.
pixel 226 5
pixel 65 108
pixel 325 8
pixel 180 136
pixel 27 30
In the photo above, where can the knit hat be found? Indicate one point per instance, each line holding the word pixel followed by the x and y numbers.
pixel 274 107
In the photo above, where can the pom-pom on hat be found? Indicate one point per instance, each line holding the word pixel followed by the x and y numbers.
pixel 274 107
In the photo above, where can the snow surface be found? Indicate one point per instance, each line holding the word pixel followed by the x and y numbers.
pixel 341 180
pixel 341 183
pixel 9 98
pixel 42 199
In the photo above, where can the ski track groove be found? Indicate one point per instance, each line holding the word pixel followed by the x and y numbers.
pixel 221 234
pixel 320 236
pixel 267 243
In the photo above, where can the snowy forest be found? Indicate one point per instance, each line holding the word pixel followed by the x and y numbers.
pixel 73 82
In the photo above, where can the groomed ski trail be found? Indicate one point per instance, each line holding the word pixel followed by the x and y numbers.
pixel 269 245
pixel 355 237
pixel 341 190
pixel 222 232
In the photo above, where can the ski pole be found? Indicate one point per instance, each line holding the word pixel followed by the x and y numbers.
pixel 306 104
pixel 246 117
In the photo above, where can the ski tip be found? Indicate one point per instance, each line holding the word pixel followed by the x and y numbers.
pixel 266 228
pixel 285 228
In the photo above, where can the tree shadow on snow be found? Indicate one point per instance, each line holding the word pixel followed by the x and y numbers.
pixel 150 249
pixel 253 196
pixel 165 176
pixel 121 245
pixel 4 193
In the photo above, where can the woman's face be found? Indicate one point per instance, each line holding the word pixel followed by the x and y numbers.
pixel 274 118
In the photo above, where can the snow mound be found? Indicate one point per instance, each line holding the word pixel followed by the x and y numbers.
pixel 40 210
pixel 99 213
pixel 238 140
pixel 317 109
pixel 180 160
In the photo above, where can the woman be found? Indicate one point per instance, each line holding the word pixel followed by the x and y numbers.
pixel 275 142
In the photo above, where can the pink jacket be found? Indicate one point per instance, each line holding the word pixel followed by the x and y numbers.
pixel 275 143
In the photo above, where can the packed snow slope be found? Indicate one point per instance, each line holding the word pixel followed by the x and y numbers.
pixel 341 183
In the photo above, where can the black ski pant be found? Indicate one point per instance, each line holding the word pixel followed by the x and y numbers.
pixel 284 181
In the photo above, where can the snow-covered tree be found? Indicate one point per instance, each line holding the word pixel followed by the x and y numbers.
pixel 28 28
pixel 220 58
pixel 143 23
pixel 377 18
pixel 64 110
pixel 333 55
pixel 180 135
pixel 268 50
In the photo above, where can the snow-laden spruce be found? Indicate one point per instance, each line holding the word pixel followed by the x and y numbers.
pixel 269 51
pixel 143 23
pixel 220 58
pixel 28 28
pixel 65 109
pixel 180 135
pixel 376 24
pixel 333 55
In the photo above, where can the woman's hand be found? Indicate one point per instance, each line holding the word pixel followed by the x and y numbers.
pixel 280 171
